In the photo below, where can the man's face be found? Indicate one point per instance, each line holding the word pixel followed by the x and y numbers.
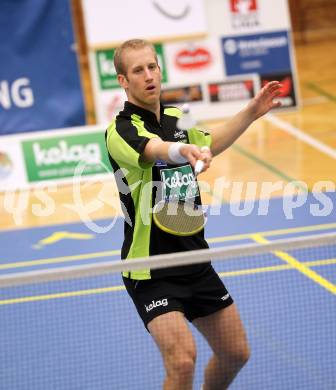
pixel 142 81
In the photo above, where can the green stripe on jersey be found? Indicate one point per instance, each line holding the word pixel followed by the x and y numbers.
pixel 139 124
pixel 173 111
pixel 142 199
pixel 120 150
pixel 199 137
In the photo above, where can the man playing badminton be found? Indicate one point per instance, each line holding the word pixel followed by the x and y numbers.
pixel 145 145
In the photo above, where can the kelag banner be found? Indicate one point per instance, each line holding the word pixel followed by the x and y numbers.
pixel 39 75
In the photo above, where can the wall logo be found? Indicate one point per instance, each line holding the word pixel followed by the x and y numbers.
pixel 261 53
pixel 230 47
pixel 6 165
pixel 229 91
pixel 244 14
pixel 193 58
pixel 107 74
pixel 18 93
pixel 179 12
pixel 58 157
pixel 183 94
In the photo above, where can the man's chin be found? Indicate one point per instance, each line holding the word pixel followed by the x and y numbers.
pixel 152 99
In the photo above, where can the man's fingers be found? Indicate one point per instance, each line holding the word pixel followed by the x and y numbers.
pixel 206 157
pixel 273 89
pixel 193 153
pixel 276 104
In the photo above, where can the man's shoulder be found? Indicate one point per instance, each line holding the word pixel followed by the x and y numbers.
pixel 172 111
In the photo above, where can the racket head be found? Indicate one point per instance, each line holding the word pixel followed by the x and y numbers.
pixel 179 218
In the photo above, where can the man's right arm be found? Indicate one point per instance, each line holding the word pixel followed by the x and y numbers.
pixel 156 149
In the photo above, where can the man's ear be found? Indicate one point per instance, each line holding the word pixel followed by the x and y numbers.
pixel 122 80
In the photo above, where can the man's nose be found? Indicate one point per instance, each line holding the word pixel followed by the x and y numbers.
pixel 148 74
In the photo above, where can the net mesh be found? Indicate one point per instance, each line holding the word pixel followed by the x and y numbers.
pixel 76 327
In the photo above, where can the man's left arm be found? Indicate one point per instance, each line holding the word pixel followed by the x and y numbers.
pixel 225 135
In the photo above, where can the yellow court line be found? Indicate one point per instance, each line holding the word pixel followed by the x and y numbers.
pixel 234 237
pixel 104 290
pixel 301 267
pixel 61 259
pixel 272 268
pixel 62 295
pixel 269 233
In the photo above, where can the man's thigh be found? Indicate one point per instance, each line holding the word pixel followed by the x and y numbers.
pixel 153 298
pixel 223 330
pixel 171 333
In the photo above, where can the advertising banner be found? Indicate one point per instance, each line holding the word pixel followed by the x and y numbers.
pixel 235 17
pixel 12 166
pixel 39 75
pixel 192 61
pixel 57 157
pixel 229 91
pixel 260 53
pixel 155 20
pixel 247 42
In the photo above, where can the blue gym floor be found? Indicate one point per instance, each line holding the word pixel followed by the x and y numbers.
pixel 87 335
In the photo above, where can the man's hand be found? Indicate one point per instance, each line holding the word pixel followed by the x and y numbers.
pixel 193 153
pixel 264 100
pixel 226 134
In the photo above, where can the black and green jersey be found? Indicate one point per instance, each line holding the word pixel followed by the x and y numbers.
pixel 142 184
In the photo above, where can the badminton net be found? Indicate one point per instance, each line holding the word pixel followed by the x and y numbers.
pixel 75 327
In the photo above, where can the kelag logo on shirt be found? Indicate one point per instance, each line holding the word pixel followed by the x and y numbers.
pixel 179 183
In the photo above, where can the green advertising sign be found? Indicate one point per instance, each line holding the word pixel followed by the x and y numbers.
pixel 106 71
pixel 161 59
pixel 58 157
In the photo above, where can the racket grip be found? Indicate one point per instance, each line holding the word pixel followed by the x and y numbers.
pixel 199 167
pixel 199 163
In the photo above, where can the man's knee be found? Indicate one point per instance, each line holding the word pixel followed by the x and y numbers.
pixel 242 354
pixel 184 366
pixel 182 362
pixel 237 356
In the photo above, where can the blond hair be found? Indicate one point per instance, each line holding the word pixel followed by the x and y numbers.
pixel 134 44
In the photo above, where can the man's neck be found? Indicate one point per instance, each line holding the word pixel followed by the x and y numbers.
pixel 155 109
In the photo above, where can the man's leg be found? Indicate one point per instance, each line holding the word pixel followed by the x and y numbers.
pixel 174 339
pixel 225 334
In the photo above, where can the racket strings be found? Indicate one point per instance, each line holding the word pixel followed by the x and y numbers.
pixel 180 218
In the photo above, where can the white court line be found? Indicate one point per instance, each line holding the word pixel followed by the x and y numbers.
pixel 314 100
pixel 296 132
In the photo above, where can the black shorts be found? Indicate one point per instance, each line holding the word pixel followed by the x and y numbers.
pixel 196 295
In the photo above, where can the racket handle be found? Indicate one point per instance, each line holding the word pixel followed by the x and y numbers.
pixel 199 163
pixel 199 167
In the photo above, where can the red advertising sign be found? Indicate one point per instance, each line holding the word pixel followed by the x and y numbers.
pixel 244 14
pixel 243 6
pixel 229 91
pixel 193 58
pixel 287 97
